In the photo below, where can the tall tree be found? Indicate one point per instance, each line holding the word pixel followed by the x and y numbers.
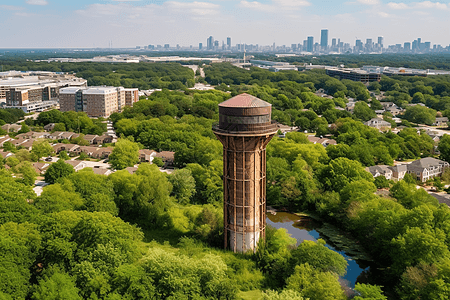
pixel 125 154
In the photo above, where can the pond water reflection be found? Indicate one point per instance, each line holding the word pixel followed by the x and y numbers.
pixel 304 228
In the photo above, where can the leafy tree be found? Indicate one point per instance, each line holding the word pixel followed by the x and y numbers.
pixel 158 161
pixel 19 245
pixel 56 198
pixel 342 171
pixel 24 128
pixel 125 154
pixel 183 185
pixel 284 294
pixel 8 146
pixel 314 284
pixel 319 257
pixel 362 111
pixel 444 147
pixel 23 155
pixel 41 148
pixel 56 285
pixel 59 127
pixel 381 182
pixel 12 161
pixel 28 173
pixel 63 155
pixel 367 291
pixel 420 114
pixel 58 170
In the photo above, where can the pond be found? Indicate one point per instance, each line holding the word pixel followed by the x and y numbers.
pixel 305 228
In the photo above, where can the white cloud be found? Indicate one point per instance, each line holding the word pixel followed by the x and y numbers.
pixel 292 3
pixel 256 6
pixel 369 2
pixel 429 4
pixel 418 5
pixel 37 2
pixel 401 5
pixel 384 14
pixel 275 6
pixel 11 7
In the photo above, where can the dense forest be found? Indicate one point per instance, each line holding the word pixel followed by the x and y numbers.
pixel 150 235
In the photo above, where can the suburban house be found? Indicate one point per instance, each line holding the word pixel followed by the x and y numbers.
pixel 378 123
pixel 102 171
pixel 69 148
pixel 89 150
pixel 398 172
pixel 380 170
pixel 90 138
pixel 6 154
pixel 318 140
pixel 28 144
pixel 146 155
pixel 66 135
pixel 102 152
pixel 76 164
pixel 167 157
pixel 4 139
pixel 41 167
pixel 103 139
pixel 442 121
pixel 55 135
pixel 49 127
pixel 11 127
pixel 391 107
pixel 131 170
pixel 427 168
pixel 17 142
pixel 33 135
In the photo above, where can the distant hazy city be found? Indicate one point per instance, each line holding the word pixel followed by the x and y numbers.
pixel 309 45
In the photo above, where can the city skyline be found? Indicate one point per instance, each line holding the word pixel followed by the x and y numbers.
pixel 125 23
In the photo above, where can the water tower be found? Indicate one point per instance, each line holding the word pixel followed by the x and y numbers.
pixel 245 128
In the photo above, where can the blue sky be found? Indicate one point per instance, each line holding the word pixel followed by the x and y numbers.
pixel 94 23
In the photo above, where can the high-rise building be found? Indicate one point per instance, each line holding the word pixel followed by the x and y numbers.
pixel 407 46
pixel 333 42
pixel 216 45
pixel 96 101
pixel 324 39
pixel 131 96
pixel 358 45
pixel 200 46
pixel 310 46
pixel 210 43
pixel 380 41
pixel 228 43
pixel 244 129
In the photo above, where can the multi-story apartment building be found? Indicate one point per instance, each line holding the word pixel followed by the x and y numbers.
pixel 131 96
pixel 35 93
pixel 99 101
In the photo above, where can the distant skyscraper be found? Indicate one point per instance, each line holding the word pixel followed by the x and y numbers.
pixel 380 41
pixel 200 46
pixel 210 43
pixel 229 42
pixel 310 45
pixel 324 39
pixel 166 46
pixel 407 46
pixel 358 45
pixel 216 44
pixel 333 42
